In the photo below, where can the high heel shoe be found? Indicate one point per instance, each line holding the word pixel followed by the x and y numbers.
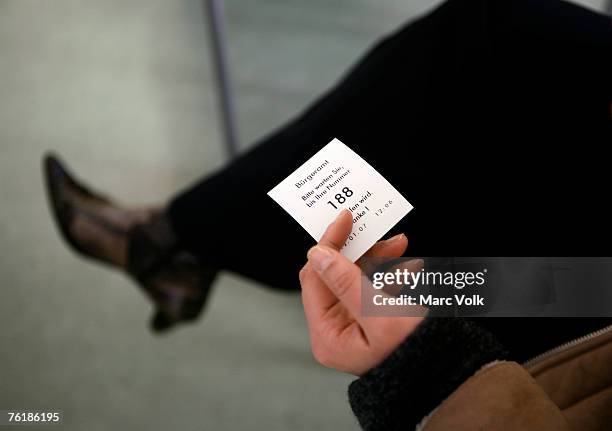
pixel 139 241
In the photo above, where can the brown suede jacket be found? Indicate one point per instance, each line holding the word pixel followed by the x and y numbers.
pixel 566 388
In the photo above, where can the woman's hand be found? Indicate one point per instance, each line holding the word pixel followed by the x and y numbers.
pixel 340 336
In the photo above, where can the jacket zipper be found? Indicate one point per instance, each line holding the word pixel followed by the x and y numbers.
pixel 566 346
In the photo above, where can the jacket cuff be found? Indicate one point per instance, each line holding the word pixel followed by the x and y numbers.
pixel 424 370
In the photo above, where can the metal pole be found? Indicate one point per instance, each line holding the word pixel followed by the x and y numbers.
pixel 216 21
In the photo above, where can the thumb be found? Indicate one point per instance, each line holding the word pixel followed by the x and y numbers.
pixel 341 276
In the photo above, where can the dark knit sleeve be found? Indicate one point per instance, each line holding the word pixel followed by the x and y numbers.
pixel 426 368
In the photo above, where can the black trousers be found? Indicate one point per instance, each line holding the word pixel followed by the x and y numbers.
pixel 492 117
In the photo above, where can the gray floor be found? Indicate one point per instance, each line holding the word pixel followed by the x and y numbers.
pixel 124 91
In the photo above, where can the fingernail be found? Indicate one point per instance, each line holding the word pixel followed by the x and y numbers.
pixel 343 213
pixel 320 258
pixel 419 263
pixel 395 238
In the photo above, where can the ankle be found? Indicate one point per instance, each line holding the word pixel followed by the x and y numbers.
pixel 149 245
